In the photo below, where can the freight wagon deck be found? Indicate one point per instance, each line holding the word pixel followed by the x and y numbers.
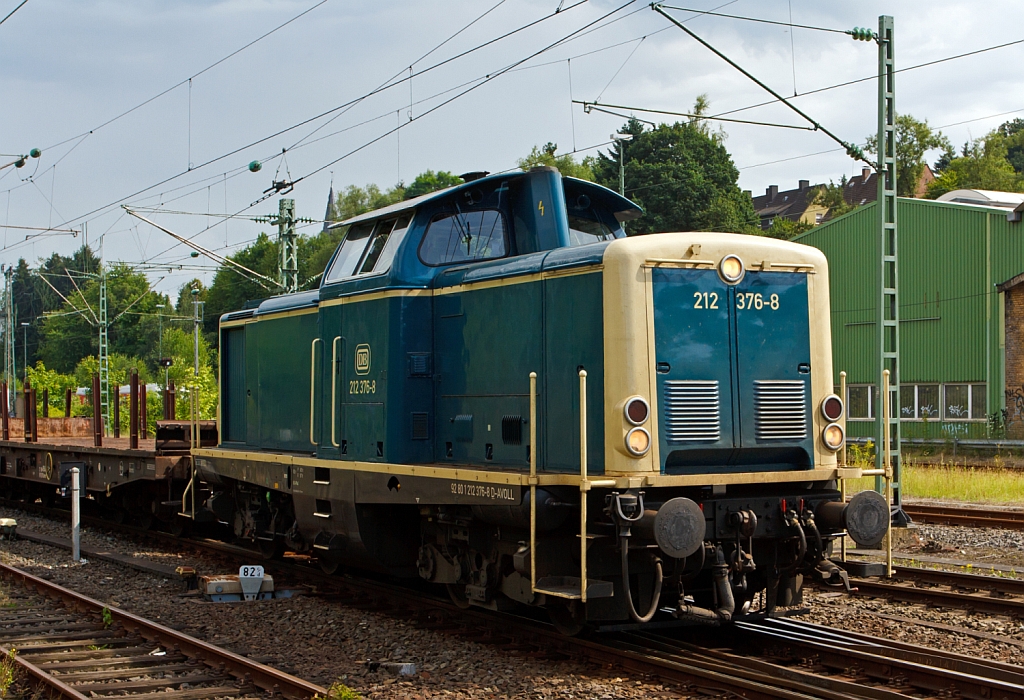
pixel 145 481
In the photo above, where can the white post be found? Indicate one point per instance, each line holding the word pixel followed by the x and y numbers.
pixel 76 517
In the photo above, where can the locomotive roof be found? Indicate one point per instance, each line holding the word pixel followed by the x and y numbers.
pixel 624 209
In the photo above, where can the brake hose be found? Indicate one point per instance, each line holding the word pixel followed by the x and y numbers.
pixel 801 552
pixel 658 578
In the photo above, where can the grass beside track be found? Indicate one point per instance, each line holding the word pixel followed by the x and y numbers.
pixel 955 483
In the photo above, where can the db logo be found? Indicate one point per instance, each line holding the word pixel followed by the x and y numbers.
pixel 363 359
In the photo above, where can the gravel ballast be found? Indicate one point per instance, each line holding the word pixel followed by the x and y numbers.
pixel 309 637
pixel 325 641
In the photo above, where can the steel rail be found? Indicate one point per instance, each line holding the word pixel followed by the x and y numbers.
pixel 264 677
pixel 924 669
pixel 970 517
pixel 674 661
pixel 960 580
pixel 939 597
pixel 486 627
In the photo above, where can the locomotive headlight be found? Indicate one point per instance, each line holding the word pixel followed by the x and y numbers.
pixel 833 436
pixel 731 269
pixel 832 407
pixel 638 441
pixel 637 410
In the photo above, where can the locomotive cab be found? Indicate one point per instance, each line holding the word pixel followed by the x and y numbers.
pixel 497 389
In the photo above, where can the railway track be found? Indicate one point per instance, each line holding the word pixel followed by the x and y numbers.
pixel 969 517
pixel 994 595
pixel 766 659
pixel 79 648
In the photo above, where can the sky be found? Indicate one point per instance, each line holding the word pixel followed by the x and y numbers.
pixel 161 106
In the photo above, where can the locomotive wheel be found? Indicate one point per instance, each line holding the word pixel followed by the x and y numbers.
pixel 272 549
pixel 569 617
pixel 180 527
pixel 144 521
pixel 329 565
pixel 457 592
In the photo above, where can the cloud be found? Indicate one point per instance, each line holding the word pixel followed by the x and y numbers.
pixel 71 66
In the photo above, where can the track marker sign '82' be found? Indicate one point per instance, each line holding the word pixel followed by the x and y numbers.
pixel 250 579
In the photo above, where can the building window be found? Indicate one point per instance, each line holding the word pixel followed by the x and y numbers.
pixel 957 400
pixel 818 217
pixel 979 407
pixel 919 401
pixel 860 402
pixel 928 401
pixel 923 402
pixel 964 401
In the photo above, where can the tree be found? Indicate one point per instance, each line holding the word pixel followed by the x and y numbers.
pixel 28 306
pixel 983 165
pixel 71 333
pixel 429 181
pixel 183 307
pixel 354 200
pixel 914 138
pixel 566 164
pixel 683 178
pixel 180 346
pixel 787 229
pixel 231 289
pixel 1013 132
pixel 54 383
pixel 832 196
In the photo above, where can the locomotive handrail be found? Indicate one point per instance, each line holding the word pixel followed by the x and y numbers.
pixel 334 388
pixel 679 261
pixel 195 443
pixel 585 486
pixel 533 482
pixel 842 463
pixel 312 389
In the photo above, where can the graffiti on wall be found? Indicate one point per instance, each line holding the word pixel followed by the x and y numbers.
pixel 1014 405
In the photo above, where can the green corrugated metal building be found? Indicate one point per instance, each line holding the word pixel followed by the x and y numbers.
pixel 951 258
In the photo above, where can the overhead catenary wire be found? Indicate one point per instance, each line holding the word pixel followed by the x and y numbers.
pixel 188 80
pixel 8 16
pixel 854 151
pixel 399 73
pixel 693 116
pixel 756 19
pixel 488 78
pixel 40 228
pixel 875 76
pixel 314 118
pixel 255 276
pixel 464 92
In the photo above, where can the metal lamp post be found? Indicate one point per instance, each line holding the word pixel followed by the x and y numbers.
pixel 24 343
pixel 160 351
pixel 621 139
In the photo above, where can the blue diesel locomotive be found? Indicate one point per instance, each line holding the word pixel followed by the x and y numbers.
pixel 498 389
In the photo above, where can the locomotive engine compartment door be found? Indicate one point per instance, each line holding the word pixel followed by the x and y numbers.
pixel 774 360
pixel 733 371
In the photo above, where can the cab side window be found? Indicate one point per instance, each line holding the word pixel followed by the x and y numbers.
pixel 381 250
pixel 584 230
pixel 351 250
pixel 464 236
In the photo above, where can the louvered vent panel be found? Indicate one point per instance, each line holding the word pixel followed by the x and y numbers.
pixel 692 411
pixel 780 410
